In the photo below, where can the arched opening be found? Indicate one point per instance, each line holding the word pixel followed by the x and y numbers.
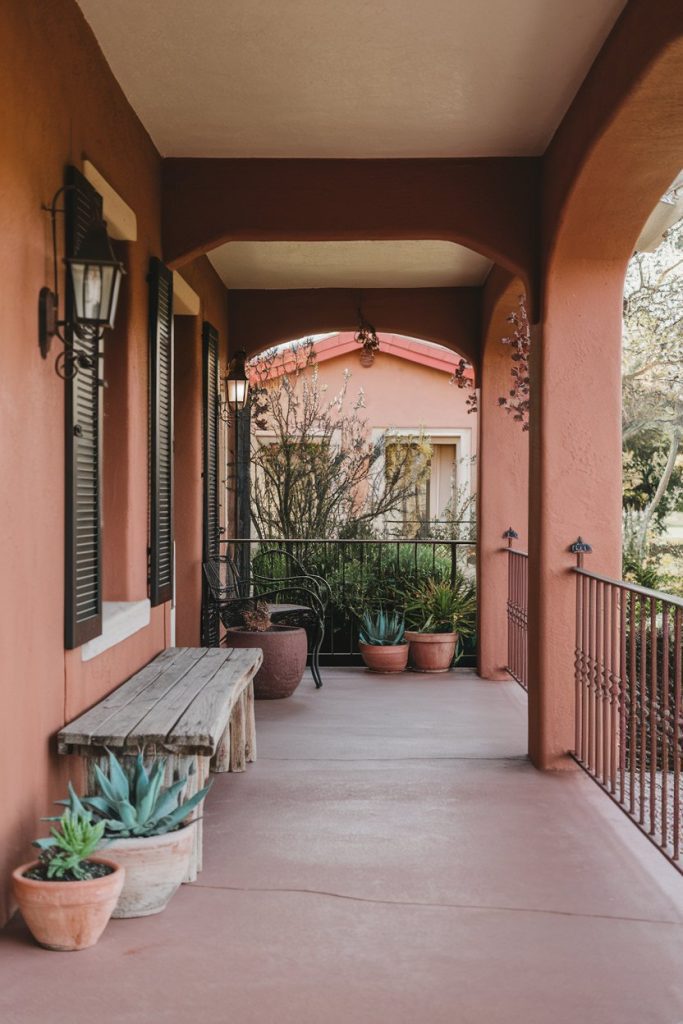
pixel 365 469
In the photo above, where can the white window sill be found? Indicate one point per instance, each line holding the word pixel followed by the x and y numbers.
pixel 120 619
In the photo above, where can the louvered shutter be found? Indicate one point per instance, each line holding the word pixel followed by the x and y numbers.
pixel 211 531
pixel 83 447
pixel 161 431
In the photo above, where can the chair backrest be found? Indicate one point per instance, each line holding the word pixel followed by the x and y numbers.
pixel 224 580
pixel 277 563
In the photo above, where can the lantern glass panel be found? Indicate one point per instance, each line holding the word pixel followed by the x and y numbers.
pixel 237 392
pixel 96 291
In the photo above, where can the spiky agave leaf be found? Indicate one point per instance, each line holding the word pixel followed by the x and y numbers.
pixel 141 780
pixel 118 780
pixel 178 816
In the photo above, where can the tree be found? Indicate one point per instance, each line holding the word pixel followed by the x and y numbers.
pixel 653 378
pixel 317 473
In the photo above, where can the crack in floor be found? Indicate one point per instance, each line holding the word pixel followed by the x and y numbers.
pixel 502 759
pixel 443 905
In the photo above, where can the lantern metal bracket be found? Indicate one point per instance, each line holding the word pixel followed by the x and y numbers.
pixel 50 326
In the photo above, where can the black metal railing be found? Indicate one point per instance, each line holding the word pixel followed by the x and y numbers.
pixel 629 703
pixel 517 611
pixel 361 574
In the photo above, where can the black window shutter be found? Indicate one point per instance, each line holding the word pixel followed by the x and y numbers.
pixel 211 517
pixel 83 447
pixel 161 431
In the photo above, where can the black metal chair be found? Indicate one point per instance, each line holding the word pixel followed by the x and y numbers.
pixel 294 596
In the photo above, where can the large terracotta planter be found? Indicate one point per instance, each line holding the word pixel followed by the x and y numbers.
pixel 385 659
pixel 284 658
pixel 67 915
pixel 155 866
pixel 431 652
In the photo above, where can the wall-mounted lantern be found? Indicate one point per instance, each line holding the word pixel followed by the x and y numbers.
pixel 95 277
pixel 237 383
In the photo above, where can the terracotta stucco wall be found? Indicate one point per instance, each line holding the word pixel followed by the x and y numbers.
pixel 201 276
pixel 61 104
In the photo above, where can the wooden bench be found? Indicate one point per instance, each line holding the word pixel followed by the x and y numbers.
pixel 192 705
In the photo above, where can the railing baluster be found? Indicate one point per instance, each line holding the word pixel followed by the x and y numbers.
pixel 643 711
pixel 613 682
pixel 666 725
pixel 633 672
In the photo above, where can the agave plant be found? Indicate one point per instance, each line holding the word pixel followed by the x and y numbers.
pixel 383 629
pixel 134 802
pixel 64 853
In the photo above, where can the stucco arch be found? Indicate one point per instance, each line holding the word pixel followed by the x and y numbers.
pixel 447 316
pixel 489 205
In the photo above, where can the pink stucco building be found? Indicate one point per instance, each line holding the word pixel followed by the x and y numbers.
pixel 408 393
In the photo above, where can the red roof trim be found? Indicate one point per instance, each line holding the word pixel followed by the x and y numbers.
pixel 413 350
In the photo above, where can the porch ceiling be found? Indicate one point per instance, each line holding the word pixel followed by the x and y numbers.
pixel 365 264
pixel 441 78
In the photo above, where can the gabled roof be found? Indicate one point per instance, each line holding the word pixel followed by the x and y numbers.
pixel 412 350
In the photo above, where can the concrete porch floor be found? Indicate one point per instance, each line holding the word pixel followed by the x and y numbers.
pixel 391 857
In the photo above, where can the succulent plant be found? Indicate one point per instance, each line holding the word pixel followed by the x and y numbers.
pixel 134 802
pixel 383 629
pixel 439 606
pixel 64 853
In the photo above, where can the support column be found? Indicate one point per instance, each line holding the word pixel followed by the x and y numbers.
pixel 575 480
pixel 503 463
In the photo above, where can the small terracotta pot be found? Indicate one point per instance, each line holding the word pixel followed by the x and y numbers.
pixel 155 866
pixel 431 652
pixel 385 659
pixel 67 915
pixel 284 658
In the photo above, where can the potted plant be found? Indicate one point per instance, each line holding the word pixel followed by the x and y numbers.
pixel 382 642
pixel 440 614
pixel 144 828
pixel 67 896
pixel 284 651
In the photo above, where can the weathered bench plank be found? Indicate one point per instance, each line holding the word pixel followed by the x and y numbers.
pixel 161 709
pixel 111 716
pixel 211 705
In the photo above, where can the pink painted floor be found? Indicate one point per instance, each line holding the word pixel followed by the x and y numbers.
pixel 391 858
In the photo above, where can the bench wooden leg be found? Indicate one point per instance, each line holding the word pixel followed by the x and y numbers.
pixel 195 781
pixel 250 724
pixel 220 762
pixel 238 736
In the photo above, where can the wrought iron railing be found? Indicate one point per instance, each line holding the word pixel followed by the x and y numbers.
pixel 517 610
pixel 628 679
pixel 361 574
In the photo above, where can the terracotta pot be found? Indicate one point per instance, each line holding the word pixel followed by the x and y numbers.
pixel 284 658
pixel 155 866
pixel 431 652
pixel 387 660
pixel 67 915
